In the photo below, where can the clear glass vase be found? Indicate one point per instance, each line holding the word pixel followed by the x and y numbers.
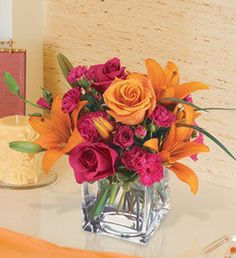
pixel 127 211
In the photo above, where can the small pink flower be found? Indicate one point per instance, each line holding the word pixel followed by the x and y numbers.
pixel 71 99
pixel 199 139
pixel 43 103
pixel 92 161
pixel 86 126
pixel 189 99
pixel 140 131
pixel 162 117
pixel 77 74
pixel 146 164
pixel 124 137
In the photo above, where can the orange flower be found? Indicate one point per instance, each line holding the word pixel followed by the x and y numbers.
pixel 166 82
pixel 58 132
pixel 131 100
pixel 177 146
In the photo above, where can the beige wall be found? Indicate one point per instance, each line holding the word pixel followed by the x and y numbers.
pixel 28 34
pixel 199 35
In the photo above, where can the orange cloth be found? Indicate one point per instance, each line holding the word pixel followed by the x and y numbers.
pixel 15 245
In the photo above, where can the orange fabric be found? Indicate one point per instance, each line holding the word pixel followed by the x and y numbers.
pixel 58 133
pixel 15 245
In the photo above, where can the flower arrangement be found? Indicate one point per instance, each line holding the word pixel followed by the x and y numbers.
pixel 118 125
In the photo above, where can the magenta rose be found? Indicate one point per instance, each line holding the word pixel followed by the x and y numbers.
pixel 92 161
pixel 102 75
pixel 124 137
pixel 70 99
pixel 86 126
pixel 162 117
pixel 146 164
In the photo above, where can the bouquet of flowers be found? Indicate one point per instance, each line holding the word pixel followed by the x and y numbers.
pixel 118 127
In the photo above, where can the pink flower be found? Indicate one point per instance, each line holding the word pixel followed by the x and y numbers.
pixel 162 117
pixel 124 137
pixel 140 131
pixel 189 99
pixel 102 75
pixel 71 99
pixel 146 164
pixel 86 126
pixel 43 103
pixel 77 73
pixel 92 161
pixel 199 139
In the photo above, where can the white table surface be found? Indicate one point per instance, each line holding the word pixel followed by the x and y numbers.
pixel 53 213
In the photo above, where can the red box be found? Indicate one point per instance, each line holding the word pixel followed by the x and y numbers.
pixel 14 63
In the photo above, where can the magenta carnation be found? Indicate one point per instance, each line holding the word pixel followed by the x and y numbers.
pixel 43 103
pixel 140 131
pixel 162 117
pixel 146 164
pixel 86 126
pixel 124 137
pixel 77 73
pixel 92 161
pixel 189 99
pixel 71 99
pixel 199 139
pixel 103 75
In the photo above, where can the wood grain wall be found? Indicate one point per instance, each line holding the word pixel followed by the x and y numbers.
pixel 199 35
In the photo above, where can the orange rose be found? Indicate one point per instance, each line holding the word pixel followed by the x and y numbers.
pixel 131 100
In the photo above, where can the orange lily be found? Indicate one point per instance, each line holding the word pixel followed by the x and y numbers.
pixel 58 132
pixel 178 146
pixel 165 82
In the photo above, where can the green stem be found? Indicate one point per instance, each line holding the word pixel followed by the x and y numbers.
pixel 114 191
pixel 31 103
pixel 121 202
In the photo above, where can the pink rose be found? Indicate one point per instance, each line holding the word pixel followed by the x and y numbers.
pixel 102 75
pixel 140 131
pixel 124 137
pixel 92 161
pixel 86 126
pixel 162 117
pixel 146 164
pixel 70 99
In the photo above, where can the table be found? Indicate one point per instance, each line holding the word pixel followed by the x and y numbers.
pixel 53 213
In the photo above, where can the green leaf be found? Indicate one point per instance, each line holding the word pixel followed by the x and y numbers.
pixel 27 147
pixel 36 114
pixel 183 102
pixel 47 95
pixel 217 108
pixel 66 67
pixel 210 136
pixel 97 208
pixel 11 83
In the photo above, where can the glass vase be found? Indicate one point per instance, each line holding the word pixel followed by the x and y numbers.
pixel 128 211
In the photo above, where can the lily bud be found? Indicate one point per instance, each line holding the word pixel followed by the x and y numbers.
pixel 103 127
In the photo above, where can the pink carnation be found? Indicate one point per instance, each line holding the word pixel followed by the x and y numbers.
pixel 43 103
pixel 189 99
pixel 77 73
pixel 71 99
pixel 146 164
pixel 87 128
pixel 162 117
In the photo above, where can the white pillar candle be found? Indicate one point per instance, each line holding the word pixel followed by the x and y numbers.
pixel 17 168
pixel 5 19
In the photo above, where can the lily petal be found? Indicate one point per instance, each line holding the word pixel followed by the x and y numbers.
pixel 152 144
pixel 186 174
pixel 41 125
pixel 50 157
pixel 183 90
pixel 172 74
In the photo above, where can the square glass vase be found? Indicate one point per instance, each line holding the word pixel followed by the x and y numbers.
pixel 130 211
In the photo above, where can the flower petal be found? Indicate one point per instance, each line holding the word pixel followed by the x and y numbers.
pixel 41 125
pixel 172 74
pixel 75 113
pixel 152 144
pixel 183 90
pixel 73 141
pixel 50 157
pixel 156 75
pixel 186 174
